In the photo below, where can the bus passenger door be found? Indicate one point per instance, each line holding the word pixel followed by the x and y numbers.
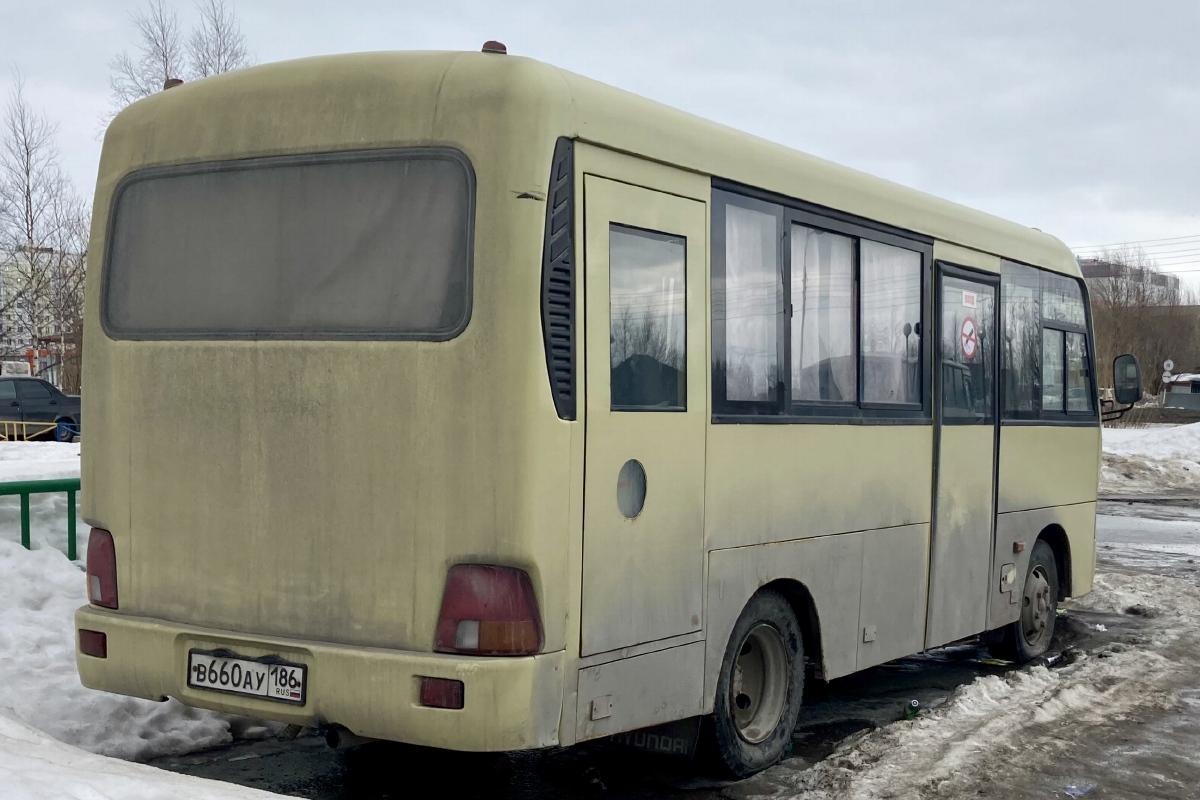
pixel 964 507
pixel 647 367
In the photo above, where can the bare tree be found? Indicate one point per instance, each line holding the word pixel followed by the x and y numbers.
pixel 217 44
pixel 63 305
pixel 637 332
pixel 163 51
pixel 1138 309
pixel 159 55
pixel 43 231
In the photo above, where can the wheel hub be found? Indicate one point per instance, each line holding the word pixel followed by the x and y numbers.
pixel 759 684
pixel 1036 607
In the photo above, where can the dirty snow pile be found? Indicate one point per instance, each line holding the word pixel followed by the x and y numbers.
pixel 1151 460
pixel 35 767
pixel 39 686
pixel 958 748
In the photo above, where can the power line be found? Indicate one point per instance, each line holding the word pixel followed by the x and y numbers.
pixel 1182 271
pixel 1139 242
pixel 1145 248
pixel 1163 266
pixel 1192 247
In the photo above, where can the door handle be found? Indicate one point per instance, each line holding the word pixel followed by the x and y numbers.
pixel 15 403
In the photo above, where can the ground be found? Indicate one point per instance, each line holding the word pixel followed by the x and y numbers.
pixel 1117 717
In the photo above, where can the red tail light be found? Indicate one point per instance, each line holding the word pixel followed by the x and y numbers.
pixel 93 643
pixel 441 693
pixel 490 611
pixel 102 569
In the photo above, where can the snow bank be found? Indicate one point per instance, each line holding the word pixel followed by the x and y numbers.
pixel 40 689
pixel 980 728
pixel 35 767
pixel 39 592
pixel 26 461
pixel 1151 460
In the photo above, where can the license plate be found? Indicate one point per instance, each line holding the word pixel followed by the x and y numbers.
pixel 269 678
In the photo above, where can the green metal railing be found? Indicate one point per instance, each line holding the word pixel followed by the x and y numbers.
pixel 26 488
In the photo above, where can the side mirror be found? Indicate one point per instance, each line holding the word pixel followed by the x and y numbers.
pixel 1127 380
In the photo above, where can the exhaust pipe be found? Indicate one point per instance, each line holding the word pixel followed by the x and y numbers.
pixel 338 737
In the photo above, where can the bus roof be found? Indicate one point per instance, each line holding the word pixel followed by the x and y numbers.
pixel 594 112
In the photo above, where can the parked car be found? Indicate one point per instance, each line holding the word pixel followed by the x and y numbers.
pixel 31 400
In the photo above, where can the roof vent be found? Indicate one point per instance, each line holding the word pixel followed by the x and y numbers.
pixel 492 46
pixel 171 83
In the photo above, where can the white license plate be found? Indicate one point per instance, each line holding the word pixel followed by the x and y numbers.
pixel 270 679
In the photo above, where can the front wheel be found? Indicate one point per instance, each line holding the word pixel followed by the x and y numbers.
pixel 760 687
pixel 1030 636
pixel 63 430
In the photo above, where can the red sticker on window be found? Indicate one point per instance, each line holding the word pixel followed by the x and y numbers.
pixel 969 338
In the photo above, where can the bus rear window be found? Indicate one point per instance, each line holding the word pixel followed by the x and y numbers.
pixel 360 245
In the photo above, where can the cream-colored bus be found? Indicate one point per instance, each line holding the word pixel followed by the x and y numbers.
pixel 454 399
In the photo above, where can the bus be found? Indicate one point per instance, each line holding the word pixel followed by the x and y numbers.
pixel 457 400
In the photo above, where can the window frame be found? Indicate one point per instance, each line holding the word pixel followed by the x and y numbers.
pixel 1017 414
pixel 926 303
pixel 784 409
pixel 811 406
pixel 634 230
pixel 1062 354
pixel 266 162
pixel 1085 419
pixel 750 409
pixel 948 269
pixel 1087 366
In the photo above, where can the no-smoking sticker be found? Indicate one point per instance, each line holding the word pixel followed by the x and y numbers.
pixel 969 338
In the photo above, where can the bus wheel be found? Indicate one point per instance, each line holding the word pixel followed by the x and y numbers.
pixel 1030 636
pixel 760 687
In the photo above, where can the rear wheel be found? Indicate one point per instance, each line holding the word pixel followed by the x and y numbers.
pixel 1030 636
pixel 760 687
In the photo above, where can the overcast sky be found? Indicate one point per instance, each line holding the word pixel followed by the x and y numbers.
pixel 1079 117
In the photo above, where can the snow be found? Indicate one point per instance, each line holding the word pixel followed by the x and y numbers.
pixel 39 686
pixel 982 726
pixel 25 461
pixel 39 592
pixel 34 766
pixel 1151 460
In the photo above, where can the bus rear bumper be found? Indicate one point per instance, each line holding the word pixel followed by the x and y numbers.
pixel 509 703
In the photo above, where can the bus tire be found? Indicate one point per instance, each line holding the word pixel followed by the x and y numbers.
pixel 1030 636
pixel 760 688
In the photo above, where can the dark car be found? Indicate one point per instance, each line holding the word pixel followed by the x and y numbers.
pixel 31 400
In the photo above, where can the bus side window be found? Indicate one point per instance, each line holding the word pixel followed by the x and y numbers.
pixel 648 320
pixel 890 324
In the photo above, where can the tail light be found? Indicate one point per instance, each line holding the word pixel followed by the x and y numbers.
pixel 102 569
pixel 490 611
pixel 441 693
pixel 93 643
